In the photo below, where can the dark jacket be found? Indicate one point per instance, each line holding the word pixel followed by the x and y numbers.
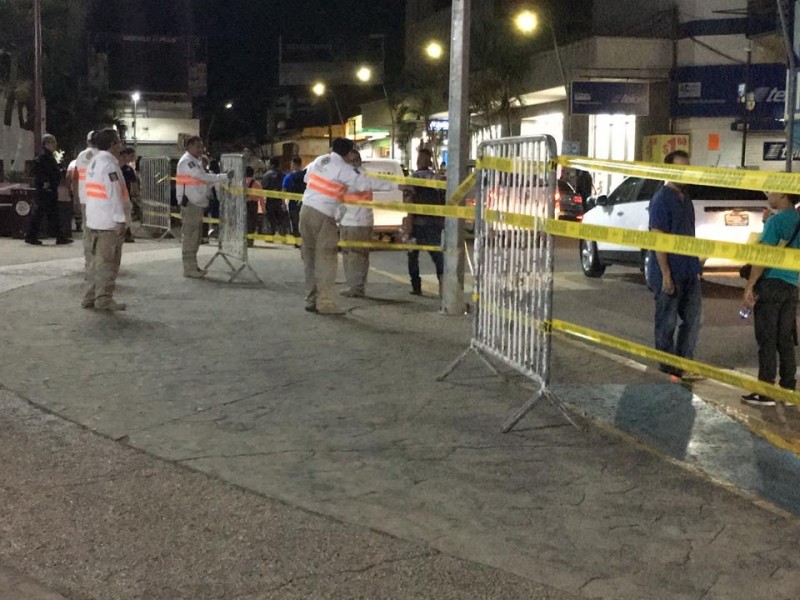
pixel 47 173
pixel 273 180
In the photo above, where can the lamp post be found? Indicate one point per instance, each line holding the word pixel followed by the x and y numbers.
pixel 135 97
pixel 228 106
pixel 527 22
pixel 364 74
pixel 458 152
pixel 37 76
pixel 434 50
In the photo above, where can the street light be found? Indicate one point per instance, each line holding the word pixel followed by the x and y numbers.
pixel 364 74
pixel 434 50
pixel 526 21
pixel 228 105
pixel 319 89
pixel 135 96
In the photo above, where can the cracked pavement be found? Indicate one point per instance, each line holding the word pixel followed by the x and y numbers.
pixel 264 452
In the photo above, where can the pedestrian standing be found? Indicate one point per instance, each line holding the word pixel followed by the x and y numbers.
pixel 423 229
pixel 294 182
pixel 106 221
pixel 356 223
pixel 772 293
pixel 275 215
pixel 48 176
pixel 82 162
pixel 192 187
pixel 675 278
pixel 127 164
pixel 328 179
pixel 255 203
pixel 65 205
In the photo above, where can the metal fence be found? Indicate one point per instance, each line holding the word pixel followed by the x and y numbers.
pixel 233 217
pixel 155 183
pixel 513 263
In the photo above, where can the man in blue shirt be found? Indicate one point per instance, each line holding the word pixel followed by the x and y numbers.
pixel 675 278
pixel 773 293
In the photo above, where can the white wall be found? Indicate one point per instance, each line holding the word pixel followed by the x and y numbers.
pixel 163 130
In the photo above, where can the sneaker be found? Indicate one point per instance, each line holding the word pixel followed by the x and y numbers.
pixel 311 309
pixel 87 304
pixel 111 306
pixel 416 292
pixel 64 241
pixel 758 400
pixel 352 294
pixel 198 274
pixel 331 311
pixel 34 242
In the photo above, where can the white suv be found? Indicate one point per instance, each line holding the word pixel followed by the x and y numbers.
pixel 387 222
pixel 724 214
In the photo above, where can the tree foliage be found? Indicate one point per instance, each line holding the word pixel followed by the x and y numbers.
pixel 72 107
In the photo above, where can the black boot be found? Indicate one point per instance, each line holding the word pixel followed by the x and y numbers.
pixel 416 287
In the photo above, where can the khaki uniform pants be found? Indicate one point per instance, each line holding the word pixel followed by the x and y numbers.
pixel 320 238
pixel 87 245
pixel 106 248
pixel 192 235
pixel 356 260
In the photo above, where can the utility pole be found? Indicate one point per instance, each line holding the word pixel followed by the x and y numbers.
pixel 784 7
pixel 457 156
pixel 37 76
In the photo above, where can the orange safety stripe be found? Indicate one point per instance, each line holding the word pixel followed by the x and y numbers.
pixel 359 196
pixel 82 174
pixel 96 191
pixel 326 187
pixel 189 180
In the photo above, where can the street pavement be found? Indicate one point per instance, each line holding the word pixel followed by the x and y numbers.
pixel 216 441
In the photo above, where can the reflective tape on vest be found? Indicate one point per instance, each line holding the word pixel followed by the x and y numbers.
pixel 358 197
pixel 96 191
pixel 326 187
pixel 189 180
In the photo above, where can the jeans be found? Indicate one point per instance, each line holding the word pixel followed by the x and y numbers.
pixel 685 303
pixel 774 323
pixel 426 234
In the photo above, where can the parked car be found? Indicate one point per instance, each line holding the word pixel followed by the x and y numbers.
pixel 724 214
pixel 387 222
pixel 568 203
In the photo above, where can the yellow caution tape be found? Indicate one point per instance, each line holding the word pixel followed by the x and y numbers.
pixel 757 254
pixel 431 210
pixel 390 246
pixel 462 190
pixel 288 240
pixel 772 181
pixel 739 380
pixel 437 184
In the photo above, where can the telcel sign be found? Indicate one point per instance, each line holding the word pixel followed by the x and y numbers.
pixel 609 97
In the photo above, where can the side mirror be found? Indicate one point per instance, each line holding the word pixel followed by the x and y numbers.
pixel 601 200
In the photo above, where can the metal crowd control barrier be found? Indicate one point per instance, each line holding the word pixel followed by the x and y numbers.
pixel 155 180
pixel 233 218
pixel 513 282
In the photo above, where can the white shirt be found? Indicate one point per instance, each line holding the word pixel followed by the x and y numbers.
pixel 193 181
pixel 82 162
pixel 329 178
pixel 353 215
pixel 106 194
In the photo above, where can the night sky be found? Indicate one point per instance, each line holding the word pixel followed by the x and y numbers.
pixel 242 36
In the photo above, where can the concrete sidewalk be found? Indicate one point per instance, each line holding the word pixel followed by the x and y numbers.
pixel 339 417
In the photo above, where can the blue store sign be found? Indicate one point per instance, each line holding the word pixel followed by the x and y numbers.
pixel 716 91
pixel 606 97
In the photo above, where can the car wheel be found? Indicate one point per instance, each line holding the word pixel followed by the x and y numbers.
pixel 590 260
pixel 646 257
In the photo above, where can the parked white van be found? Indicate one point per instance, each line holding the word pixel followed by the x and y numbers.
pixel 387 222
pixel 723 214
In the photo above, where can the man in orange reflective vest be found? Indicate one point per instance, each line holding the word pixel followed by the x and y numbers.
pixel 328 180
pixel 192 184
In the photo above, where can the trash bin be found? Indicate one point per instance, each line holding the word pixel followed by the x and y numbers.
pixel 16 204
